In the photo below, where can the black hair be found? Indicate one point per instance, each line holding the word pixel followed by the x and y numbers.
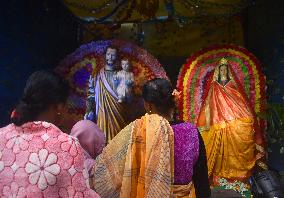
pixel 219 75
pixel 112 47
pixel 43 89
pixel 158 91
pixel 116 63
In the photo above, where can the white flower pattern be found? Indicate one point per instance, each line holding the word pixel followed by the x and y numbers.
pixel 42 168
pixel 36 158
pixel 70 145
pixel 14 191
pixel 17 142
pixel 67 192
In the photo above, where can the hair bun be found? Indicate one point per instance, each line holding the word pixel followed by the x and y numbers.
pixel 159 92
pixel 20 113
pixel 42 89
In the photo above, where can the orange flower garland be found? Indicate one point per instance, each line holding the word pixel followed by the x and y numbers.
pixel 193 85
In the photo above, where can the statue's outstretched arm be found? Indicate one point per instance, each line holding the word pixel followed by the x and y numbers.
pixel 90 100
pixel 91 86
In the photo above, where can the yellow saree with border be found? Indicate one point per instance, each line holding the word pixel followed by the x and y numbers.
pixel 226 124
pixel 139 162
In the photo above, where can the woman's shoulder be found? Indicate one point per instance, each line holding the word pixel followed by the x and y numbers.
pixel 187 125
pixel 152 117
pixel 38 136
pixel 185 133
pixel 151 120
pixel 47 131
pixel 56 141
pixel 6 129
pixel 185 128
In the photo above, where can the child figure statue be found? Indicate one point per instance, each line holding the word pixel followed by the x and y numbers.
pixel 125 80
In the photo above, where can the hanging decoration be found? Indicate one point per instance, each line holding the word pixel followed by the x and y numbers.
pixel 97 18
pixel 170 8
pixel 147 8
pixel 140 35
pixel 125 11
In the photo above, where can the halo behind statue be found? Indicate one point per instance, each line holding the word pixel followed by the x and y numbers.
pixel 196 74
pixel 89 58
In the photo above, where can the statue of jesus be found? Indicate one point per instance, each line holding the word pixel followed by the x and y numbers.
pixel 109 113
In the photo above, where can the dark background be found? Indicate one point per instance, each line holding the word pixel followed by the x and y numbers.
pixel 33 35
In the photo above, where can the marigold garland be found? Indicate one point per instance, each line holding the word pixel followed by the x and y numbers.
pixel 89 58
pixel 193 85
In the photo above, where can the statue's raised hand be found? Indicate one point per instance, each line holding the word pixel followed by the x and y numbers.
pixel 91 81
pixel 91 85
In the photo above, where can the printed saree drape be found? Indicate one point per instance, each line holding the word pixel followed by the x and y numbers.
pixel 139 162
pixel 230 132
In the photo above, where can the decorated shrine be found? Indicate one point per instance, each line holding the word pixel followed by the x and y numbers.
pixel 223 59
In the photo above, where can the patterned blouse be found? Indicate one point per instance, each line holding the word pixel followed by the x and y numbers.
pixel 190 159
pixel 38 160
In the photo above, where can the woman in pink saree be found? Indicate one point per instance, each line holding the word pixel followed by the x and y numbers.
pixel 36 158
pixel 92 140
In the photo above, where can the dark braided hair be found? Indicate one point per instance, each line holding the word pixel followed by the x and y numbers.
pixel 158 91
pixel 43 89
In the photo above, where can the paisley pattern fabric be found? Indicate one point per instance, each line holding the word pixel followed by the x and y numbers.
pixel 38 160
